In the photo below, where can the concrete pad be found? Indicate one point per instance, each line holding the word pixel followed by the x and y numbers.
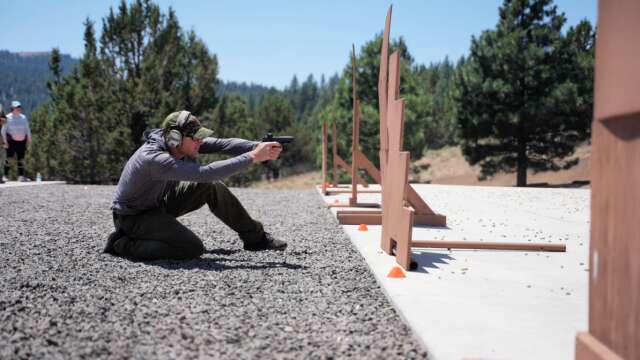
pixel 491 304
pixel 29 183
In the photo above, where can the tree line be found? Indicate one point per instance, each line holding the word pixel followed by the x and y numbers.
pixel 522 99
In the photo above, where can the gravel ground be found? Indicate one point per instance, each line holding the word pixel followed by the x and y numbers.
pixel 60 297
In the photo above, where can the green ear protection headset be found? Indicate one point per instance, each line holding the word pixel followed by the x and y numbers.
pixel 175 134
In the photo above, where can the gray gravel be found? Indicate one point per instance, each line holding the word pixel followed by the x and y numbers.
pixel 60 297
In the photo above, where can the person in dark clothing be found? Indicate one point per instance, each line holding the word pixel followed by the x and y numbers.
pixel 162 181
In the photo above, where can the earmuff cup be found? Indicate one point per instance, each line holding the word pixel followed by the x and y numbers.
pixel 174 136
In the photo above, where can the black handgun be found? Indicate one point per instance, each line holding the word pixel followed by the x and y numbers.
pixel 279 139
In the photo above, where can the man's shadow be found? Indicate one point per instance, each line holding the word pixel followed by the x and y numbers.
pixel 220 263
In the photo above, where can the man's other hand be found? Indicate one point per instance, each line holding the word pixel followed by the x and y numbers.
pixel 266 151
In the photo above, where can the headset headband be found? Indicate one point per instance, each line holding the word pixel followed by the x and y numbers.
pixel 183 118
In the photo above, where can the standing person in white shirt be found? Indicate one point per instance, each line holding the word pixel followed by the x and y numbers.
pixel 16 135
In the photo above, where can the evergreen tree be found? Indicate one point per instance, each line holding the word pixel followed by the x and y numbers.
pixel 45 135
pixel 308 98
pixel 435 105
pixel 340 109
pixel 231 118
pixel 275 113
pixel 145 67
pixel 517 102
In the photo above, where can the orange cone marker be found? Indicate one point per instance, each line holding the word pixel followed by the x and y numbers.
pixel 363 227
pixel 396 273
pixel 335 202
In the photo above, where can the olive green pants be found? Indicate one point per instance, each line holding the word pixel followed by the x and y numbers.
pixel 157 234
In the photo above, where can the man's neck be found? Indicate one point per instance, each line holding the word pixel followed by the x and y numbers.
pixel 176 153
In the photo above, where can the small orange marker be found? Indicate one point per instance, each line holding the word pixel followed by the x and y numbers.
pixel 334 203
pixel 363 227
pixel 396 273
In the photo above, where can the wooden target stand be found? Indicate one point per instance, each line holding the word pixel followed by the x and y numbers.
pixel 614 266
pixel 423 214
pixel 398 219
pixel 323 185
pixel 359 160
pixel 338 162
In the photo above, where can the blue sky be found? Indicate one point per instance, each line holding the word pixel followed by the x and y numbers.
pixel 267 42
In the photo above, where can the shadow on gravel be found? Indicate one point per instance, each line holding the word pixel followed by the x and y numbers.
pixel 430 260
pixel 222 251
pixel 218 264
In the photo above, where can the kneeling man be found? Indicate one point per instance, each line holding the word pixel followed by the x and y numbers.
pixel 162 181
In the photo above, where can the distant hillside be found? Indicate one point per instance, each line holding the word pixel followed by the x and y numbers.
pixel 24 75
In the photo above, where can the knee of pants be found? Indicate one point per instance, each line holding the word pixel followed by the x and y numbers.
pixel 214 189
pixel 214 185
pixel 218 187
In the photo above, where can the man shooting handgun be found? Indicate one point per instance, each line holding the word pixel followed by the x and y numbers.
pixel 162 182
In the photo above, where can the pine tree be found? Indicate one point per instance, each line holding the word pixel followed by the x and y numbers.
pixel 517 101
pixel 144 68
pixel 340 110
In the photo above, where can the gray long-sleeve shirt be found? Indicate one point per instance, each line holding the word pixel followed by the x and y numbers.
pixel 152 171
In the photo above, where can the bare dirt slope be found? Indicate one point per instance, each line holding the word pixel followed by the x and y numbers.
pixel 448 166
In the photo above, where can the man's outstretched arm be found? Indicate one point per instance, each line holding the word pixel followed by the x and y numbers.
pixel 230 146
pixel 166 167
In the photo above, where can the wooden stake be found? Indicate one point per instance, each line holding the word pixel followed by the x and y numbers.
pixel 324 157
pixel 424 214
pixel 398 219
pixel 447 244
pixel 614 269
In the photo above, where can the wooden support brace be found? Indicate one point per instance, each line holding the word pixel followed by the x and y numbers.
pixel 350 204
pixel 368 166
pixel 447 244
pixel 325 146
pixel 339 162
pixel 356 217
pixel 343 164
pixel 589 348
pixel 347 190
